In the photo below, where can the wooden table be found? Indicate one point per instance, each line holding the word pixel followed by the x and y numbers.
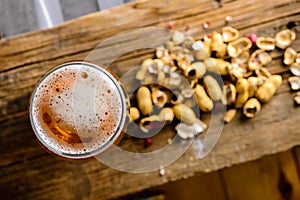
pixel 27 171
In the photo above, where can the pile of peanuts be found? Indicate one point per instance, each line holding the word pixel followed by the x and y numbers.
pixel 222 67
pixel 292 59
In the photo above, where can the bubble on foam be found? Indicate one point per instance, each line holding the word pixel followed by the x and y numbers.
pixel 77 87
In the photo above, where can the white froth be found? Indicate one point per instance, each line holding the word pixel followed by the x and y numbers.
pixel 82 98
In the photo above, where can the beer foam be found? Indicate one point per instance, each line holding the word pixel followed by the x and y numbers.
pixel 77 108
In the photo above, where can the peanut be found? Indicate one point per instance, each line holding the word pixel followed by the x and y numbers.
pixel 213 88
pixel 251 108
pixel 229 94
pixel 216 65
pixel 229 115
pixel 265 92
pixel 184 114
pixel 144 100
pixel 204 102
pixel 242 88
pixel 134 113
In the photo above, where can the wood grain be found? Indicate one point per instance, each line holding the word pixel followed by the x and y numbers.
pixel 27 171
pixel 206 187
pixel 297 159
pixel 273 177
pixel 270 177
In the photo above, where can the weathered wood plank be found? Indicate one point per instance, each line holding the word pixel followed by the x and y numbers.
pixel 27 170
pixel 244 182
pixel 297 159
pixel 22 78
pixel 241 141
pixel 273 177
pixel 60 42
pixel 207 186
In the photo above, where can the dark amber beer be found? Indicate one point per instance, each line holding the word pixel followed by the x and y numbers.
pixel 77 110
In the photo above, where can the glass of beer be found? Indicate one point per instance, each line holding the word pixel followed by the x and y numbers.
pixel 77 110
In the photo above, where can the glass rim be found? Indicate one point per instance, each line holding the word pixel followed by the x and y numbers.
pixel 109 141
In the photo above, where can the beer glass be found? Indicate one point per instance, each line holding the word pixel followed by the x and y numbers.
pixel 77 110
